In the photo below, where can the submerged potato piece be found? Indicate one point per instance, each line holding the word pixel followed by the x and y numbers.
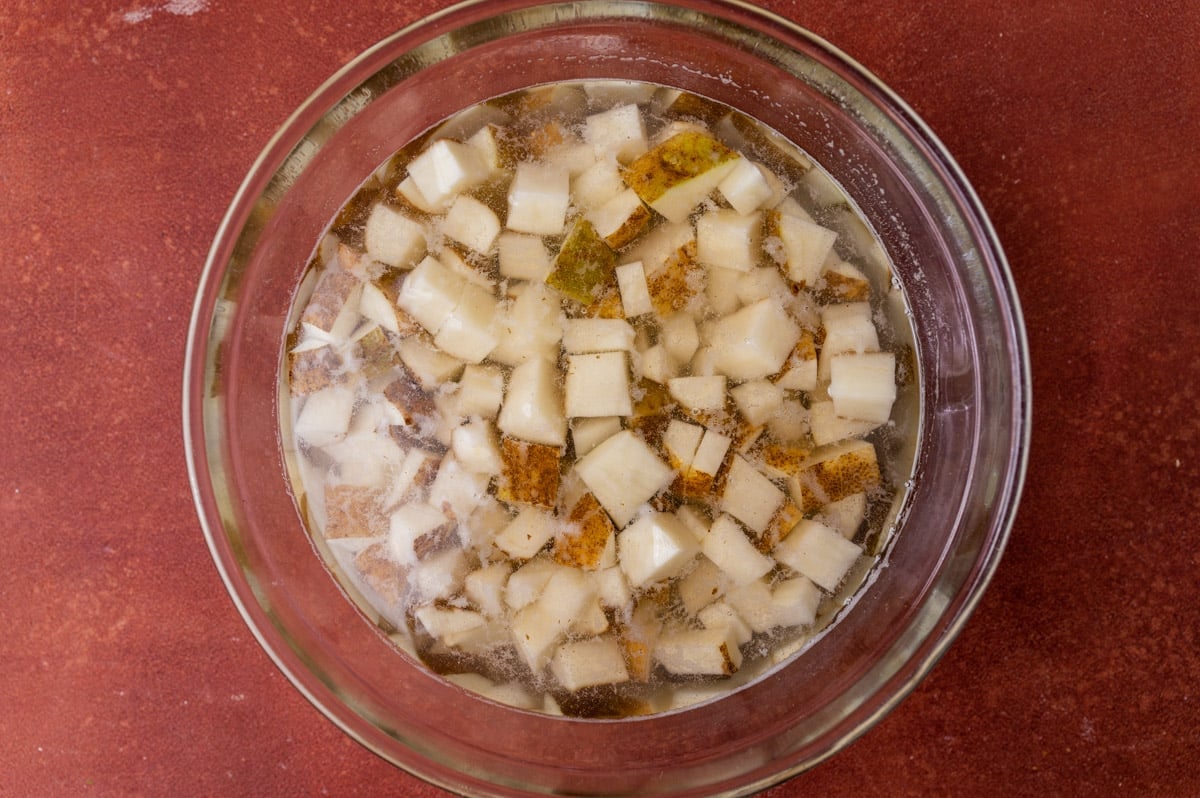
pixel 624 473
pixel 332 303
pixel 754 342
pixel 353 511
pixel 589 531
pixel 749 496
pixel 392 237
pixel 834 472
pixel 533 406
pixel 699 652
pixel 313 369
pixel 677 175
pixel 655 547
pixel 679 281
pixel 380 572
pixel 818 552
pixel 863 386
pixel 803 246
pixel 730 548
pixel 588 663
pixel 526 535
pixel 844 282
pixel 620 220
pixel 529 474
pixel 583 267
pixel 538 199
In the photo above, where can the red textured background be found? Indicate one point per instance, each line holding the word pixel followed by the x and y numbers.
pixel 125 128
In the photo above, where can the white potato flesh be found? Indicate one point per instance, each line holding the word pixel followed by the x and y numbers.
pixel 619 132
pixel 476 446
pixel 818 552
pixel 863 386
pixel 805 246
pixel 485 588
pixel 623 473
pixel 527 534
pixel 430 293
pixel 598 385
pixel 588 663
pixel 530 325
pixel 538 199
pixel 680 335
pixel 393 238
pixel 699 652
pixel 729 547
pixel 729 240
pixel 749 496
pixel 583 336
pixel 757 400
pixel 472 224
pixel 523 256
pixel 325 416
pixel 480 391
pixel 447 168
pixel 471 331
pixel 635 295
pixel 533 407
pixel 699 393
pixel 655 547
pixel 754 342
pixel 681 440
pixel 588 433
pixel 746 187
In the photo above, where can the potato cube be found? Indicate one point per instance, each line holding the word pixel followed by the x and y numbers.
pixel 845 515
pixel 749 496
pixel 584 336
pixel 699 652
pixel 729 547
pixel 729 240
pixel 678 174
pixel 408 524
pixel 759 283
pixel 393 238
pixel 588 663
pixel 485 588
pixel 834 472
pixel 458 490
pixel 471 331
pixel 804 246
pixel 680 336
pixel 844 282
pixel 747 187
pixel 325 416
pixel 597 184
pixel 451 625
pixel 754 342
pixel 635 295
pixel 523 256
pixel 431 366
pixel 863 386
pixel 475 447
pixel 757 400
pixel 582 543
pixel 720 615
pixel 538 627
pixel 445 169
pixel 848 328
pixel 472 224
pixel 530 326
pixel 583 266
pixel 681 440
pixel 700 477
pixel 621 219
pixel 655 547
pixel 614 588
pixel 657 365
pixel 430 293
pixel 624 473
pixel 353 511
pixel 533 406
pixel 526 534
pixel 617 132
pixel 530 473
pixel 818 552
pixel 722 290
pixel 800 371
pixel 699 393
pixel 528 582
pixel 701 586
pixel 480 391
pixel 598 385
pixel 538 199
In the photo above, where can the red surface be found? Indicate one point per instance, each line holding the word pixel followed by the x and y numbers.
pixel 124 132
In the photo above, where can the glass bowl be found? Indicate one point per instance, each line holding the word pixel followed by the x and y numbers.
pixel 973 395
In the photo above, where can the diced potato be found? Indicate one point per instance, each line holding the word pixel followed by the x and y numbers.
pixel 759 283
pixel 754 342
pixel 720 615
pixel 533 406
pixel 457 489
pixel 729 240
pixel 658 365
pixel 679 283
pixel 471 331
pixel 800 371
pixel 826 426
pixel 438 576
pixel 790 423
pixel 475 447
pixel 528 582
pixel 757 400
pixel 621 219
pixel 804 245
pixel 353 511
pixel 655 547
pixel 480 391
pixel 681 440
pixel 366 458
pixel 446 168
pixel 662 243
pixel 699 652
pixel 523 256
pixel 332 310
pixel 722 290
pixel 701 586
pixel 597 385
pixel 325 416
pixel 530 472
pixel 587 663
pixel 699 393
pixel 749 496
pixel 537 628
pixel 680 336
pixel 408 191
pixel 583 267
pixel 747 187
pixel 592 622
pixel 848 328
pixel 795 602
pixel 431 366
pixel 677 175
pixel 700 477
pixel 527 534
pixel 635 295
pixel 729 547
pixel 415 475
pixel 618 132
pixel 845 282
pixel 430 293
pixel 538 199
pixel 583 542
pixel 834 472
pixel 597 184
pixel 587 433
pixel 530 327
pixel 485 588
pixel 472 224
pixel 863 386
pixel 584 336
pixel 846 515
pixel 393 238
pixel 624 473
pixel 614 588
pixel 487 141
pixel 818 552
pixel 451 625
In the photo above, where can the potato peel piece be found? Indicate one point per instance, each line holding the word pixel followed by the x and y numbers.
pixel 530 473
